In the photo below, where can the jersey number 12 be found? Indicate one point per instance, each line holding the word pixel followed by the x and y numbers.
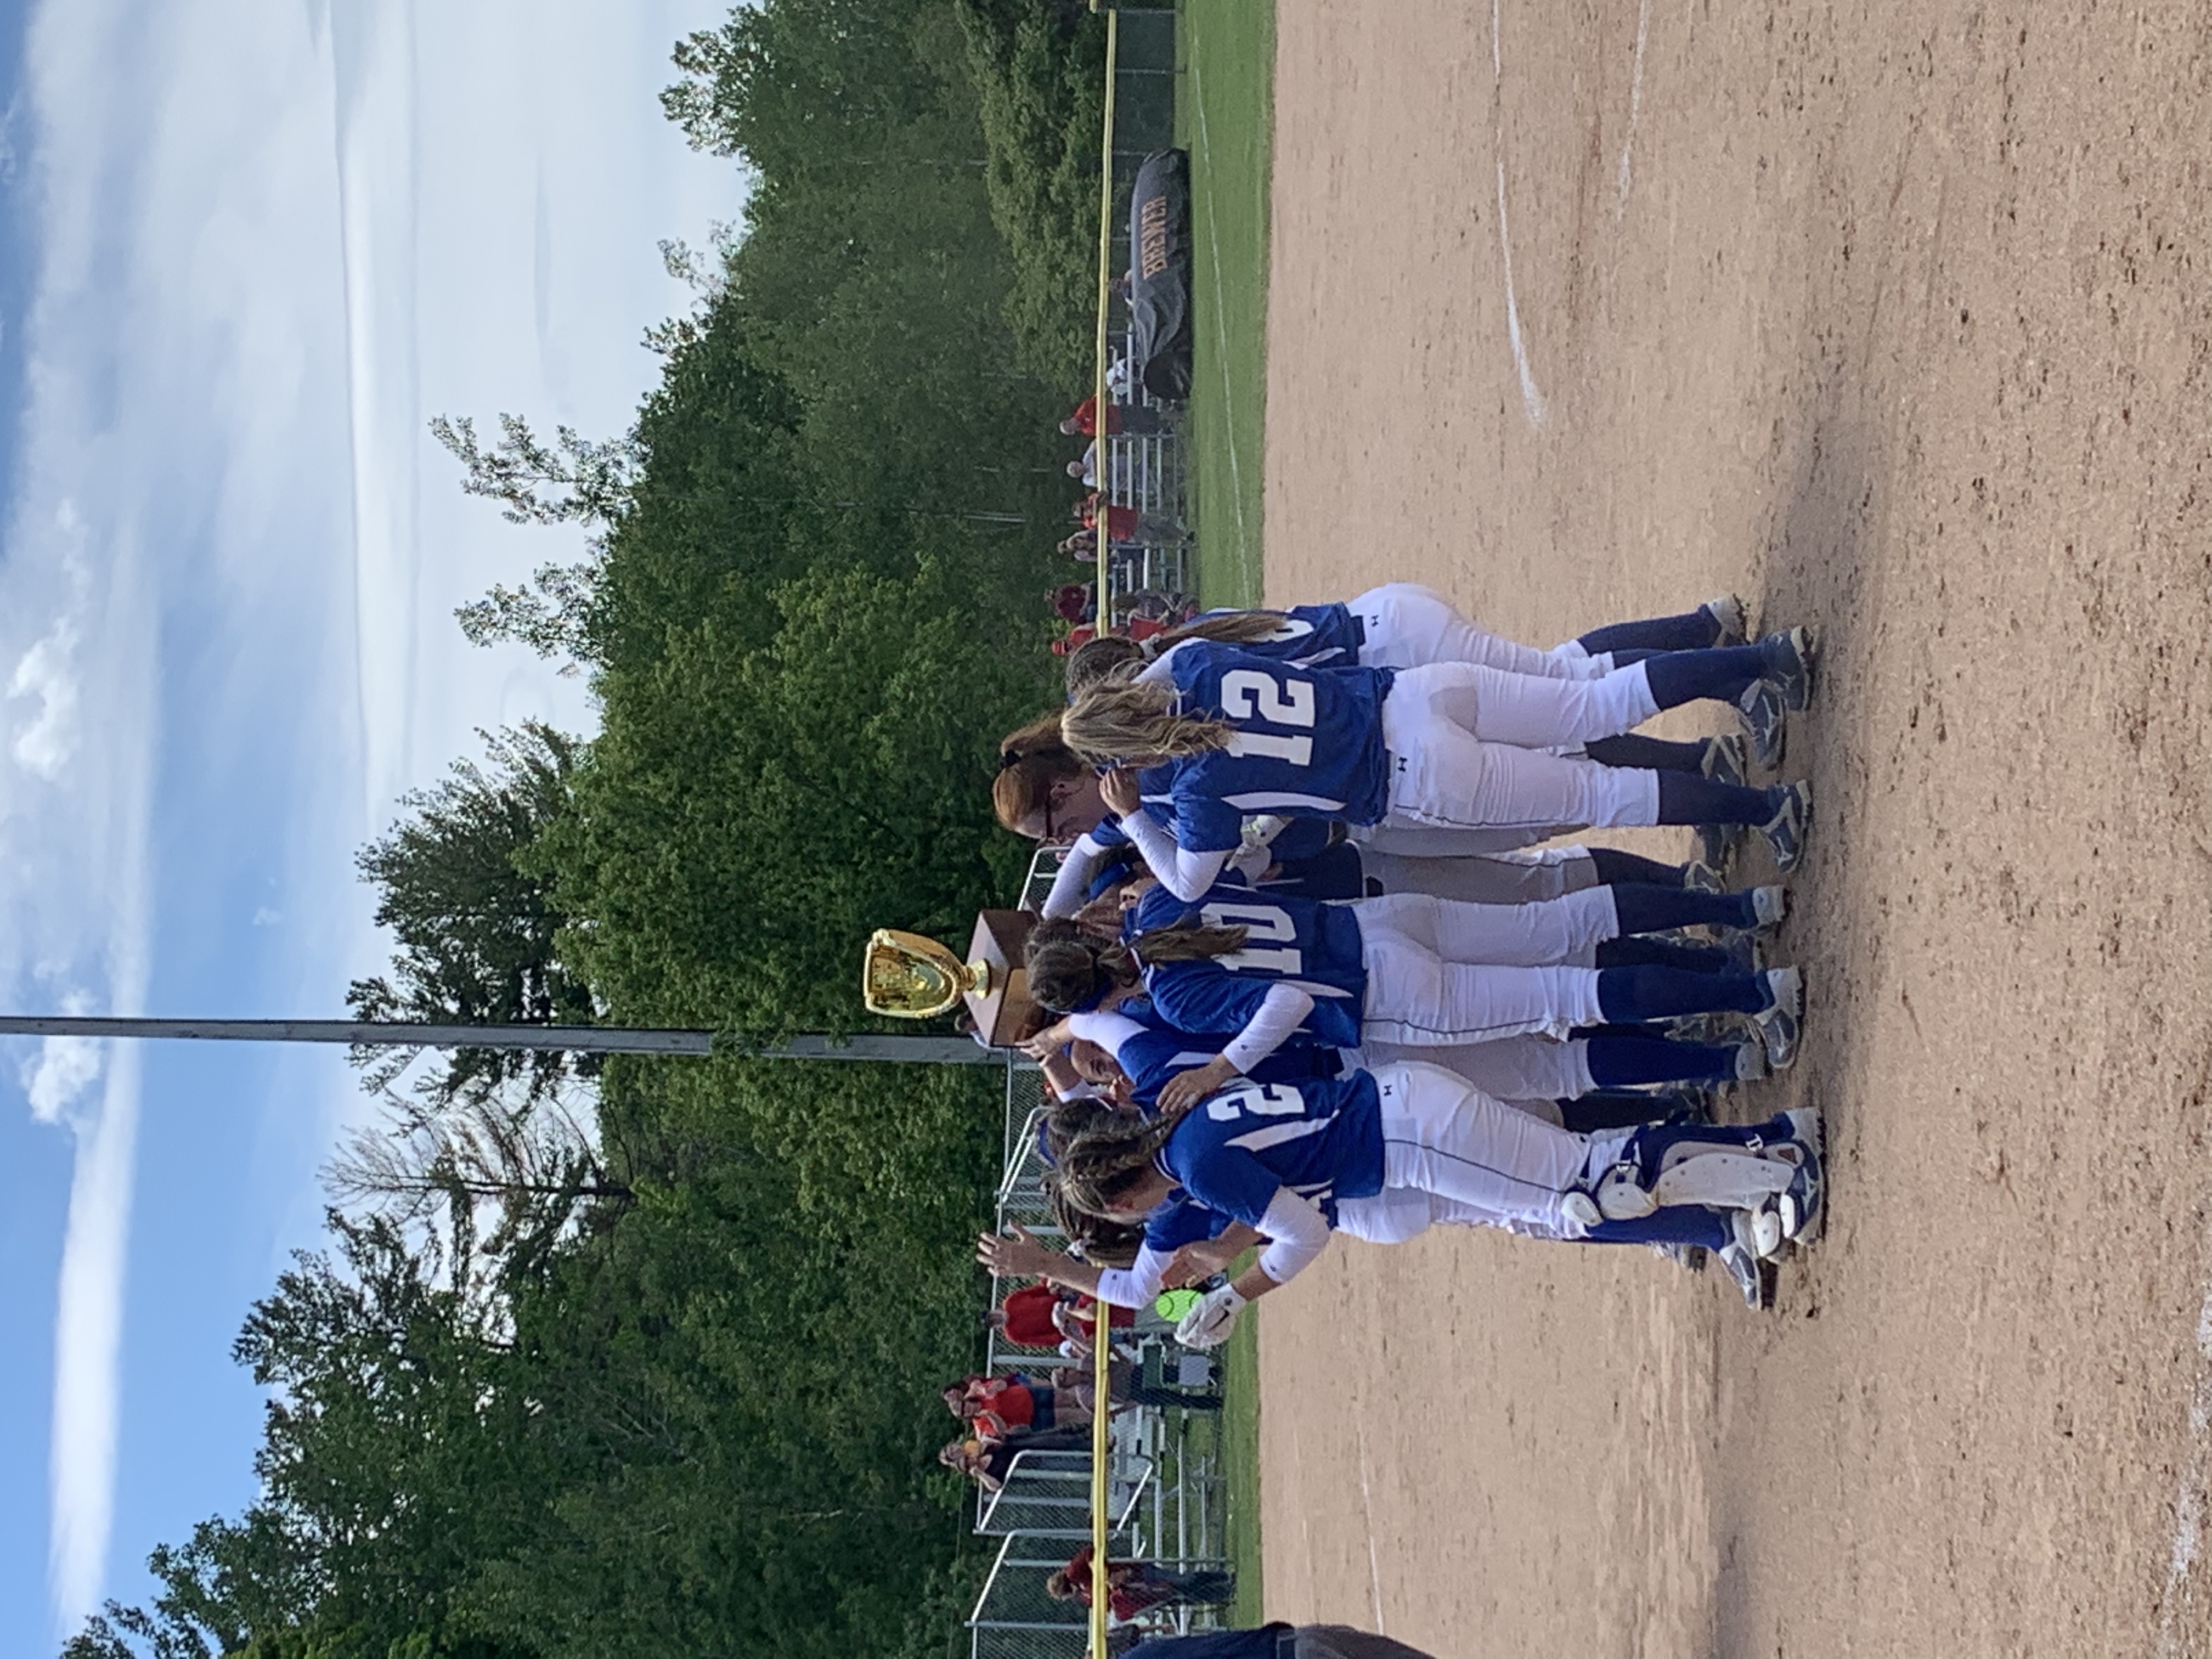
pixel 1248 694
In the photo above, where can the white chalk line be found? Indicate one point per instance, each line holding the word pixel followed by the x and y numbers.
pixel 2191 1495
pixel 1531 399
pixel 1635 104
pixel 1367 1519
pixel 1251 595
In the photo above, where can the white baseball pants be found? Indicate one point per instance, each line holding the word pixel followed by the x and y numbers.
pixel 1445 774
pixel 1402 838
pixel 1483 878
pixel 1410 626
pixel 1398 1214
pixel 1542 934
pixel 1417 998
pixel 1442 1135
pixel 1527 1072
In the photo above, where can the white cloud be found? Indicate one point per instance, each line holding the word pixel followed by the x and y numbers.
pixel 88 1338
pixel 65 1067
pixel 47 675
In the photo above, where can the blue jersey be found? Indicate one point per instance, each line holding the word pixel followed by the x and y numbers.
pixel 1303 838
pixel 1322 1139
pixel 1157 1051
pixel 1181 1220
pixel 1316 947
pixel 1309 636
pixel 1307 743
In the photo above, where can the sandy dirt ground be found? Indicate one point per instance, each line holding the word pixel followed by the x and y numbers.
pixel 1896 318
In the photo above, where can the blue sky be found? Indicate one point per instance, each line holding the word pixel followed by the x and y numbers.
pixel 247 248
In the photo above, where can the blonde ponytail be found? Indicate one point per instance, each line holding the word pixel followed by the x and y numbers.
pixel 1121 722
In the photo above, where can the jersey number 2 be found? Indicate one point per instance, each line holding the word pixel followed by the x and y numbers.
pixel 1258 1099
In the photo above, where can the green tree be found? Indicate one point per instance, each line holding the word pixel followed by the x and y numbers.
pixel 746 817
pixel 473 928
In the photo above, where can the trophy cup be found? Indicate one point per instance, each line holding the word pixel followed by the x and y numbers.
pixel 911 976
pixel 908 976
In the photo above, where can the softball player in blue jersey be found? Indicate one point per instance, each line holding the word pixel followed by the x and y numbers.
pixel 1395 970
pixel 1282 1158
pixel 1208 734
pixel 1522 1071
pixel 1405 625
pixel 1302 856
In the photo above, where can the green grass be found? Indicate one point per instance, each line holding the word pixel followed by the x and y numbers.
pixel 1224 119
pixel 1240 1462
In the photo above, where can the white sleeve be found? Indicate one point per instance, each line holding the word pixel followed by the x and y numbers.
pixel 1157 671
pixel 1134 1286
pixel 1074 880
pixel 1296 1235
pixel 1185 874
pixel 1282 1014
pixel 1109 1031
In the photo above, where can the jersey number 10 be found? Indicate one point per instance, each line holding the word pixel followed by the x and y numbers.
pixel 1246 694
pixel 1265 923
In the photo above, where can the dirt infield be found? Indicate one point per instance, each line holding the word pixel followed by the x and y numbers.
pixel 1894 318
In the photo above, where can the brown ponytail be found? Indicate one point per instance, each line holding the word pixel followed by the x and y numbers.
pixel 1071 970
pixel 1105 1162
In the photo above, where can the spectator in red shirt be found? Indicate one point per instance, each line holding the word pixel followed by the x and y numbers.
pixel 1025 1316
pixel 1135 419
pixel 1134 1587
pixel 1126 524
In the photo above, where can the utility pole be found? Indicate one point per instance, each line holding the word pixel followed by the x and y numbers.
pixel 568 1039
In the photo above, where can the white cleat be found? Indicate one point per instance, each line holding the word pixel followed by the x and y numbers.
pixel 1727 612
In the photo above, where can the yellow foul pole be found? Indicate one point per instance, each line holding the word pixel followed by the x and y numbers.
pixel 1098 387
pixel 1103 1344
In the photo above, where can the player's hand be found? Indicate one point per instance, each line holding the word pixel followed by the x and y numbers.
pixel 1120 792
pixel 1184 1269
pixel 1014 1254
pixel 1208 1325
pixel 1185 1088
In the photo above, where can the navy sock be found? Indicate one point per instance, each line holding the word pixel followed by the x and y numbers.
pixel 1640 953
pixel 1653 909
pixel 1649 1147
pixel 1685 798
pixel 1645 993
pixel 1616 1060
pixel 1611 1109
pixel 1693 630
pixel 1614 867
pixel 1655 753
pixel 1680 676
pixel 1678 1223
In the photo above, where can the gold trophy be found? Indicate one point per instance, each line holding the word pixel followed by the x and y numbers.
pixel 910 977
